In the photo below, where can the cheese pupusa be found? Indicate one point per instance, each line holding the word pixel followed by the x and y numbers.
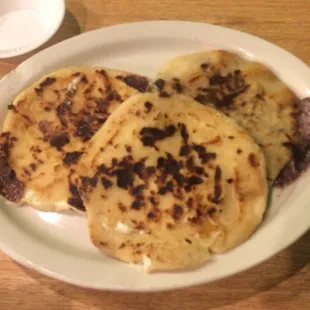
pixel 47 129
pixel 244 90
pixel 167 181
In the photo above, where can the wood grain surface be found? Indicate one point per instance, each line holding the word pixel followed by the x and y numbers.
pixel 282 282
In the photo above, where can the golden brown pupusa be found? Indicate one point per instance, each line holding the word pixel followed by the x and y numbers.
pixel 244 90
pixel 166 180
pixel 47 129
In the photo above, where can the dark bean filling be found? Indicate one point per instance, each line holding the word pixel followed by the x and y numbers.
pixel 10 187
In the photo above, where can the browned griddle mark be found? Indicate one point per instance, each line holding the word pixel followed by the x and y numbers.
pixel 223 89
pixel 59 140
pixel 211 211
pixel 149 135
pixel 61 111
pixel 121 207
pixel 77 203
pixel 177 212
pixel 72 157
pixel 192 181
pixel 87 184
pixel 190 164
pixel 137 82
pixel 166 188
pixel 84 79
pixel 154 215
pixel 164 94
pixel 148 106
pixel 253 160
pixel 106 79
pixel 160 83
pixel 169 226
pixel 48 81
pixel 103 105
pixel 217 186
pixel 11 107
pixel 204 66
pixel 185 150
pixel 184 132
pixel 84 130
pixel 106 183
pixel 177 86
pixel 27 119
pixel 124 177
pixel 33 166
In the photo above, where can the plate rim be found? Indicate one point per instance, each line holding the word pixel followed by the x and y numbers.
pixel 120 27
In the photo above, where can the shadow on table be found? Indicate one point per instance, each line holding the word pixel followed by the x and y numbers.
pixel 224 292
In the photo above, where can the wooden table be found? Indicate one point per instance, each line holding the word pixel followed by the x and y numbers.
pixel 282 282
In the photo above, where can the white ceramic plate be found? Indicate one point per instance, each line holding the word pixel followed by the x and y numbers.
pixel 59 246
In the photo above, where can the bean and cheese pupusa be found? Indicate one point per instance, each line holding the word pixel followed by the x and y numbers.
pixel 47 129
pixel 244 90
pixel 166 181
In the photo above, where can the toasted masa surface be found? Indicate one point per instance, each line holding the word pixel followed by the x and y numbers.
pixel 47 129
pixel 166 181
